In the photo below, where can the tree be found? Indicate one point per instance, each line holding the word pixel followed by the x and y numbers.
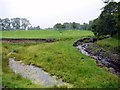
pixel 58 26
pixel 67 26
pixel 109 15
pixel 15 23
pixel 106 23
pixel 109 24
pixel 96 27
pixel 85 26
pixel 110 9
pixel 5 24
pixel 25 23
pixel 0 24
pixel 90 24
pixel 107 1
pixel 38 28
pixel 118 20
pixel 74 25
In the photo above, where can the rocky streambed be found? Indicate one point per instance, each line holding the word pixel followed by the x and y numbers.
pixel 103 58
pixel 35 74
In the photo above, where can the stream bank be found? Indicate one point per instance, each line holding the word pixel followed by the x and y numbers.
pixel 103 58
pixel 26 40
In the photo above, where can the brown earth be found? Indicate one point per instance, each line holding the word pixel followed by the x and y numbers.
pixel 103 57
pixel 26 40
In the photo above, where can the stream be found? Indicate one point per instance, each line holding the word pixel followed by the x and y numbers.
pixel 99 57
pixel 35 74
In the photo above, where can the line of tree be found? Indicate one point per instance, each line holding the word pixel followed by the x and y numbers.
pixel 14 24
pixel 108 23
pixel 34 28
pixel 17 24
pixel 73 25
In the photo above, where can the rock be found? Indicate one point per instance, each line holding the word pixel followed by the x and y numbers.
pixel 111 70
pixel 99 64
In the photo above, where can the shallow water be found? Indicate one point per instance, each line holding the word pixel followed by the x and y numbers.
pixel 35 74
pixel 104 60
pixel 82 50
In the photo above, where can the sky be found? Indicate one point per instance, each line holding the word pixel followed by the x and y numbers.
pixel 46 13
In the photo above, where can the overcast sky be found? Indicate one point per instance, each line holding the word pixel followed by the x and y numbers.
pixel 47 13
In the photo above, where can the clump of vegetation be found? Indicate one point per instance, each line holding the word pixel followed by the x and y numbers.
pixel 86 41
pixel 108 21
pixel 111 44
pixel 9 79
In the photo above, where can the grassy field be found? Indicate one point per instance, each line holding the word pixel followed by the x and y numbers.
pixel 59 58
pixel 66 34
pixel 112 44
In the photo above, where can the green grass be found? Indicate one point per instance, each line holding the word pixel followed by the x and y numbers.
pixel 59 58
pixel 111 44
pixel 67 34
pixel 0 61
pixel 16 81
pixel 11 80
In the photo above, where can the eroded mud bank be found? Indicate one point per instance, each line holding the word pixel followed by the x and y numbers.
pixel 26 40
pixel 102 57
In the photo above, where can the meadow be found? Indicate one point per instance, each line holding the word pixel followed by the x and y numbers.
pixel 57 34
pixel 58 58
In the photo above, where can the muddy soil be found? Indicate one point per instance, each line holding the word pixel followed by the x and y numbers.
pixel 26 40
pixel 103 58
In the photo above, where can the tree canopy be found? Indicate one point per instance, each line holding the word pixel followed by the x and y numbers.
pixel 108 21
pixel 14 23
pixel 73 25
